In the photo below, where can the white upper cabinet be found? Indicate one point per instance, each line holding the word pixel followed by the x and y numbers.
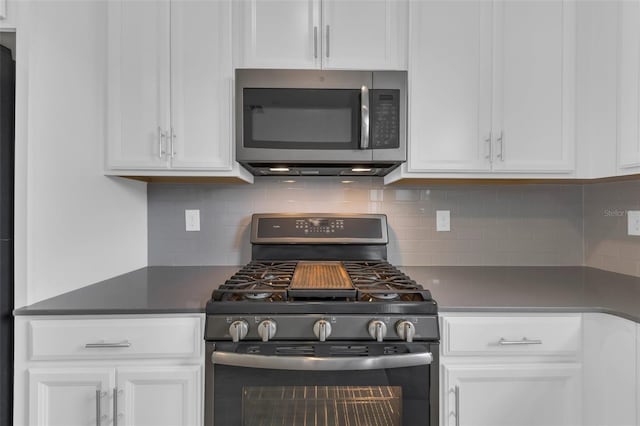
pixel 328 34
pixel 450 86
pixel 492 87
pixel 139 84
pixel 170 86
pixel 628 87
pixel 534 79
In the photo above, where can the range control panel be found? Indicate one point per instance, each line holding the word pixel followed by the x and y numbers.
pixel 318 228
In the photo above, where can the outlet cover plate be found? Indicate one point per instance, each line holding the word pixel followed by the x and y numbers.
pixel 443 220
pixel 633 222
pixel 192 220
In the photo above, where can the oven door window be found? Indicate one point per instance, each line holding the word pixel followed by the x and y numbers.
pixel 322 405
pixel 301 118
pixel 244 396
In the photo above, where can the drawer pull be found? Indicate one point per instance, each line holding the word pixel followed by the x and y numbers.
pixel 524 341
pixel 97 345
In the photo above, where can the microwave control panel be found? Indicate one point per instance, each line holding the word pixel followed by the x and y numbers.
pixel 385 118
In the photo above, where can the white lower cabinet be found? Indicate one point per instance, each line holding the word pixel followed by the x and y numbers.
pixel 70 396
pixel 511 395
pixel 109 371
pixel 511 370
pixel 140 396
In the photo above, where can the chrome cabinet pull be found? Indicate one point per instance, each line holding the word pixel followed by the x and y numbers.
pixel 488 148
pixel 98 406
pixel 500 141
pixel 524 341
pixel 115 406
pixel 364 117
pixel 160 143
pixel 315 42
pixel 457 395
pixel 97 345
pixel 328 37
pixel 172 138
pixel 321 363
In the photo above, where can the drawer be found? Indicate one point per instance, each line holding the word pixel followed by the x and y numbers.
pixel 117 338
pixel 511 335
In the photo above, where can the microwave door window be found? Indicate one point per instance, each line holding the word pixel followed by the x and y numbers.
pixel 301 118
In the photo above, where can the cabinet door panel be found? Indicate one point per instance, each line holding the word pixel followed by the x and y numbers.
pixel 512 395
pixel 629 87
pixel 534 65
pixel 279 33
pixel 67 396
pixel 201 84
pixel 138 83
pixel 450 86
pixel 159 396
pixel 369 34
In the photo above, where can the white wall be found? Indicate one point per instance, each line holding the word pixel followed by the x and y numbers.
pixel 74 226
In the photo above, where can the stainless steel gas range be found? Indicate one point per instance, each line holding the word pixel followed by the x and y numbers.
pixel 319 329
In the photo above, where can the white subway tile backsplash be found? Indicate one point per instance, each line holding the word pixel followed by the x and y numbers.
pixel 490 225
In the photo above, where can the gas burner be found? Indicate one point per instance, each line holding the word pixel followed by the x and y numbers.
pixel 384 296
pixel 256 296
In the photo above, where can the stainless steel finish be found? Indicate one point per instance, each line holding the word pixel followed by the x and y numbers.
pixel 315 42
pixel 320 363
pixel 488 148
pixel 115 406
pixel 98 406
pixel 500 141
pixel 406 330
pixel 457 396
pixel 172 143
pixel 351 327
pixel 524 341
pixel 103 344
pixel 364 111
pixel 328 32
pixel 160 143
pixel 343 160
pixel 255 239
pixel 322 329
pixel 267 330
pixel 238 330
pixel 377 330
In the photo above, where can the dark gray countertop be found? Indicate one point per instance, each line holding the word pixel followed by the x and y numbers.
pixel 186 289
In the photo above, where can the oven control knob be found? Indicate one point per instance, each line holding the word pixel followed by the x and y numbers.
pixel 267 329
pixel 377 330
pixel 322 329
pixel 406 330
pixel 238 330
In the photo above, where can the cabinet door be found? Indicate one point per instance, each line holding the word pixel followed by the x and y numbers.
pixel 278 33
pixel 364 34
pixel 138 84
pixel 159 396
pixel 450 86
pixel 534 67
pixel 629 87
pixel 201 85
pixel 67 396
pixel 511 395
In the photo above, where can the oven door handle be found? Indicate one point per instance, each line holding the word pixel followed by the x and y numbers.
pixel 321 364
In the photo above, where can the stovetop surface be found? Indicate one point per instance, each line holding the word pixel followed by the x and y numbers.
pixel 265 287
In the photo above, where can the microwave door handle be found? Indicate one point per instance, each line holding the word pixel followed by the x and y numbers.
pixel 275 362
pixel 364 117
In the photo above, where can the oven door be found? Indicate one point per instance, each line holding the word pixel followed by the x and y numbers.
pixel 291 384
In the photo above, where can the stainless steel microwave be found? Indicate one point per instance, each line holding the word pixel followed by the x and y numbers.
pixel 312 122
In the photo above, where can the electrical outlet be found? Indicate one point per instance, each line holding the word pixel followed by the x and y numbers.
pixel 443 220
pixel 192 220
pixel 633 222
